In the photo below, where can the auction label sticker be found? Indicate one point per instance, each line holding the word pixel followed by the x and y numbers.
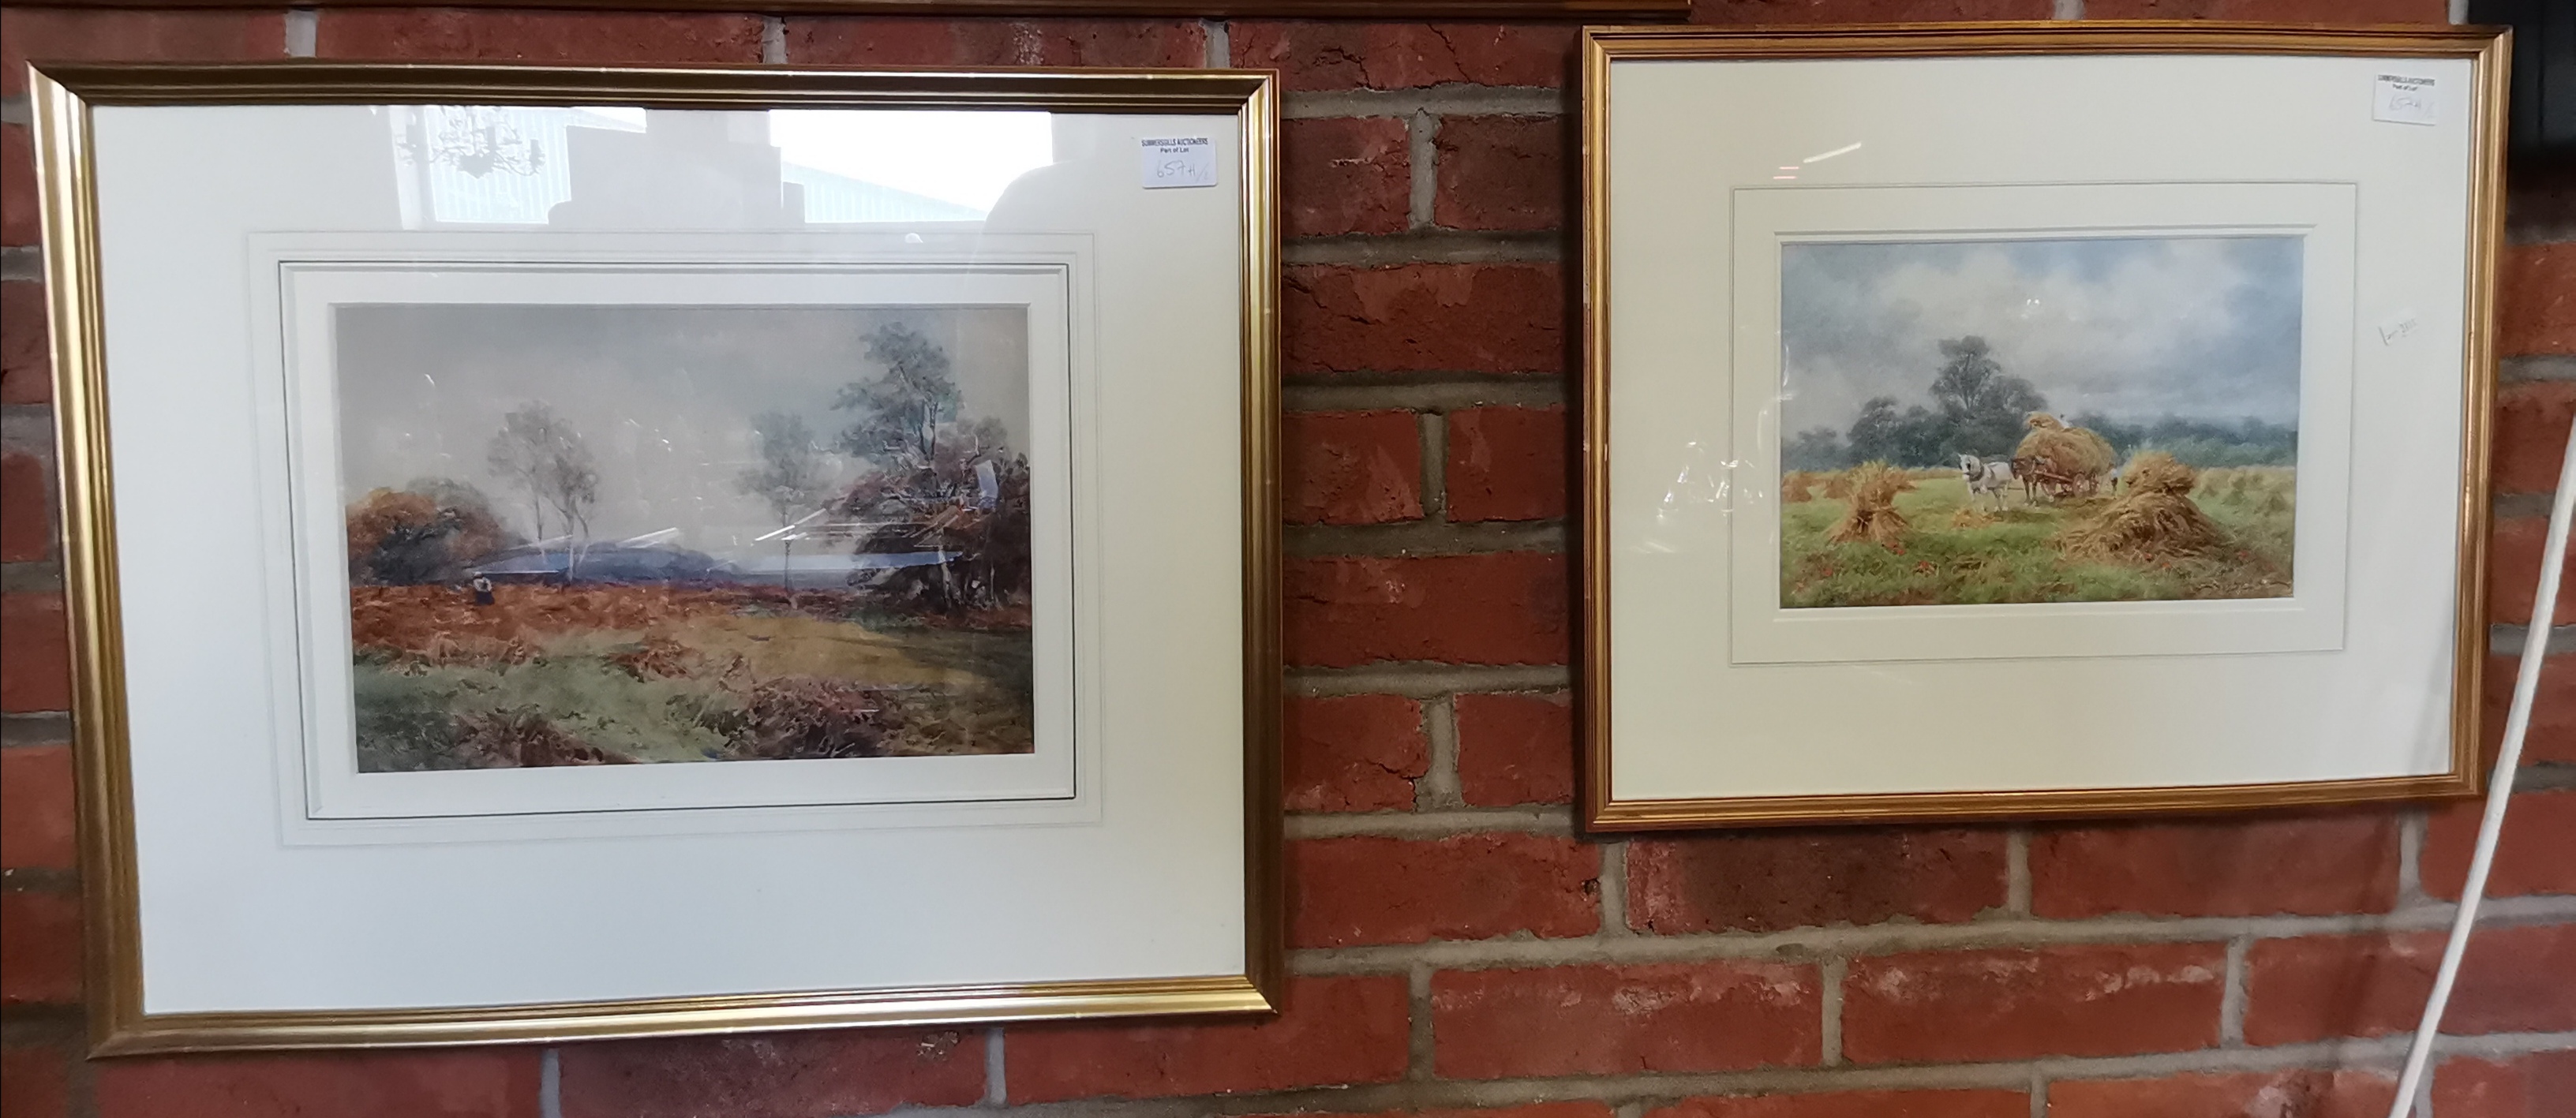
pixel 2401 99
pixel 1179 161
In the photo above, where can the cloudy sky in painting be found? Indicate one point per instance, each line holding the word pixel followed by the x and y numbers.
pixel 662 396
pixel 2136 328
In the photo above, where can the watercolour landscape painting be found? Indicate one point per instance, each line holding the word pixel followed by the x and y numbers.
pixel 2026 421
pixel 614 534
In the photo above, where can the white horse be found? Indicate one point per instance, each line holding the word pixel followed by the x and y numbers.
pixel 1986 477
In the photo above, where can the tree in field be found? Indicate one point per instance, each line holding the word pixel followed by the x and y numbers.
pixel 1977 409
pixel 1981 406
pixel 540 454
pixel 899 414
pixel 1873 434
pixel 790 475
pixel 1815 450
pixel 431 530
pixel 938 483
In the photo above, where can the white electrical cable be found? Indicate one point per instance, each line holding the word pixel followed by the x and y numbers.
pixel 2517 723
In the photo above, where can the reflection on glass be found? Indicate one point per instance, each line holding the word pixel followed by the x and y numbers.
pixel 590 534
pixel 522 165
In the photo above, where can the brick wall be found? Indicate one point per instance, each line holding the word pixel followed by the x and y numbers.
pixel 1457 948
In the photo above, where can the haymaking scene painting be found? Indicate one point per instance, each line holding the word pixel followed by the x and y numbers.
pixel 618 534
pixel 2024 421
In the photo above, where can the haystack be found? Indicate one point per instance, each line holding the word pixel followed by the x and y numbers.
pixel 2152 518
pixel 1872 517
pixel 2069 452
pixel 1797 486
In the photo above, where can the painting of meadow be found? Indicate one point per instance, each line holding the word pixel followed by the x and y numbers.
pixel 2028 421
pixel 619 534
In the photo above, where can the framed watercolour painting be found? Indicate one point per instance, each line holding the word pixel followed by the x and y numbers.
pixel 1967 435
pixel 825 518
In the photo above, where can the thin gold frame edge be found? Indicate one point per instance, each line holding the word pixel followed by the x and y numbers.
pixel 2487 48
pixel 308 82
pixel 1995 38
pixel 924 1007
pixel 60 99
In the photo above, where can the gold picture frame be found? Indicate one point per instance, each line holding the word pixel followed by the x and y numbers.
pixel 2485 50
pixel 63 96
pixel 1382 10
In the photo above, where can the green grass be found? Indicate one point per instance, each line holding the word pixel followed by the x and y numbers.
pixel 407 714
pixel 2015 560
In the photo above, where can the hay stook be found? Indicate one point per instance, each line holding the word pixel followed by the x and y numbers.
pixel 2153 518
pixel 1872 517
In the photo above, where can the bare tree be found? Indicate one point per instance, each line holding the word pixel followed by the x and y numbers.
pixel 790 475
pixel 537 452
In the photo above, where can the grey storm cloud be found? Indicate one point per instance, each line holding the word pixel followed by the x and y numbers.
pixel 2137 328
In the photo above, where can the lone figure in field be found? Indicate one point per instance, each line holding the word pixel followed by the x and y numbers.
pixel 482 588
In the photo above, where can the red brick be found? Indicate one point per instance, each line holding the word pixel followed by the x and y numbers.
pixel 1491 318
pixel 1507 608
pixel 1503 173
pixel 32 1083
pixel 1591 1020
pixel 40 948
pixel 2537 1085
pixel 1515 749
pixel 1331 1031
pixel 2308 867
pixel 107 35
pixel 2283 11
pixel 35 668
pixel 1345 175
pixel 537 36
pixel 1862 11
pixel 1854 1104
pixel 2320 987
pixel 2535 855
pixel 36 808
pixel 1405 56
pixel 1761 881
pixel 26 523
pixel 26 351
pixel 1354 753
pixel 2008 1004
pixel 2513 572
pixel 1352 467
pixel 915 41
pixel 19 223
pixel 2531 434
pixel 2295 1093
pixel 784 1075
pixel 1348 891
pixel 2553 706
pixel 1507 463
pixel 1534 1110
pixel 2536 298
pixel 469 1083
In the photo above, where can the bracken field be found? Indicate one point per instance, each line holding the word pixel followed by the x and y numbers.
pixel 551 675
pixel 1948 553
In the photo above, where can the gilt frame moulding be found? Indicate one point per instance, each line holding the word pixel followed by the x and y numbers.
pixel 1458 10
pixel 1654 757
pixel 65 101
